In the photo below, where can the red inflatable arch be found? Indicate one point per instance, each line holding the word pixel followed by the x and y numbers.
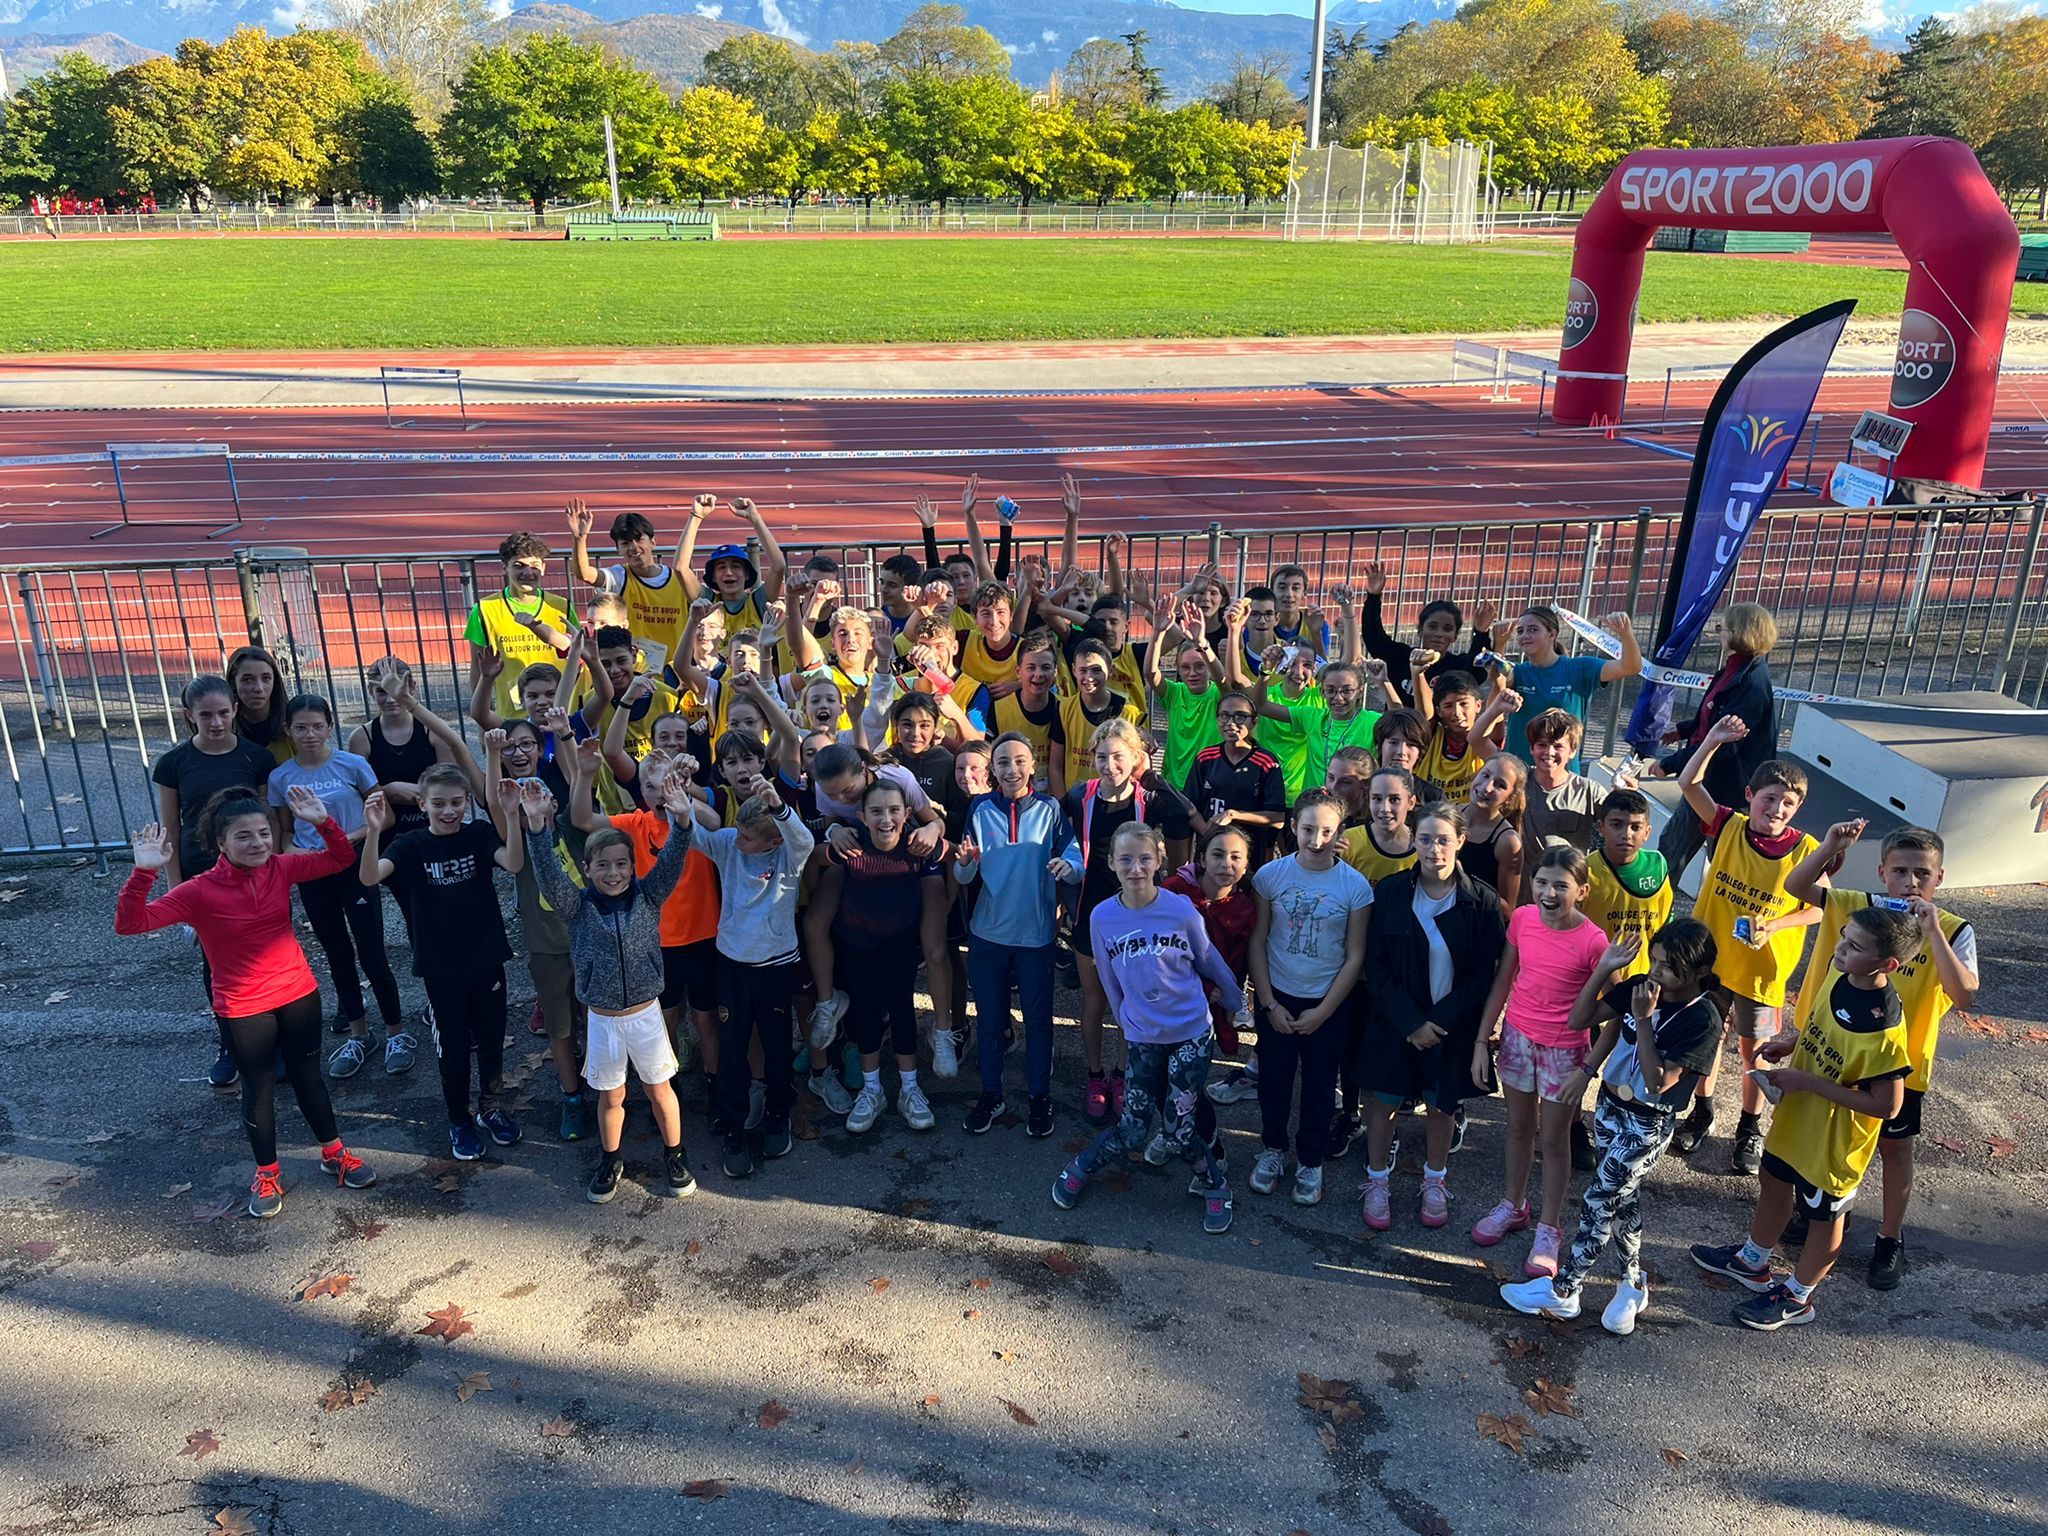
pixel 1930 194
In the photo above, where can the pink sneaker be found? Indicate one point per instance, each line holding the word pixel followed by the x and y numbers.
pixel 1435 1208
pixel 1498 1223
pixel 1096 1103
pixel 1377 1208
pixel 1542 1259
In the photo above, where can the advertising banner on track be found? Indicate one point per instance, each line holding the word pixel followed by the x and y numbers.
pixel 1746 441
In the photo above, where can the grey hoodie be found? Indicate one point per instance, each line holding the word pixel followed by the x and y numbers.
pixel 614 941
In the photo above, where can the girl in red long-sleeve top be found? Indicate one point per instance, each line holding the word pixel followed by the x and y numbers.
pixel 263 990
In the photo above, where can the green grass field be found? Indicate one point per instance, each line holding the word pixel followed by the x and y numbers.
pixel 223 294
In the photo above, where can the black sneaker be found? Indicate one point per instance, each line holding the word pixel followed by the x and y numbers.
pixel 1343 1131
pixel 1728 1261
pixel 339 1026
pixel 1887 1263
pixel 1584 1158
pixel 1040 1122
pixel 605 1182
pixel 681 1182
pixel 224 1074
pixel 737 1162
pixel 983 1115
pixel 1749 1147
pixel 1774 1309
pixel 775 1138
pixel 1693 1129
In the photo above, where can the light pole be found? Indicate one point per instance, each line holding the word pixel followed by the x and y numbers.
pixel 1315 82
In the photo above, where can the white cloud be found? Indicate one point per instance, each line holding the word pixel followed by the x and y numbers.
pixel 780 25
pixel 288 15
pixel 500 9
pixel 709 12
pixel 1048 36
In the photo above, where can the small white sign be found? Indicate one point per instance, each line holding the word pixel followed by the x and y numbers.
pixel 1880 434
pixel 1850 485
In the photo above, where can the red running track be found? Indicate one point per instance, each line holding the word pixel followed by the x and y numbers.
pixel 1340 458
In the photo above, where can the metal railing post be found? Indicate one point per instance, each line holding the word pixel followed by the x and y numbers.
pixel 39 647
pixel 1635 593
pixel 1923 572
pixel 2019 594
pixel 1213 539
pixel 252 600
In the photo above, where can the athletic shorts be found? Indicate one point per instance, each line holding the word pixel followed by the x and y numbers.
pixel 1905 1125
pixel 689 975
pixel 1814 1202
pixel 640 1037
pixel 1752 1020
pixel 1527 1067
pixel 554 978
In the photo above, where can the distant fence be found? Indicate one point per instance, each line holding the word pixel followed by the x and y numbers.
pixel 92 657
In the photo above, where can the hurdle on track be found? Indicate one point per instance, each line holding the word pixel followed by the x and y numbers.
pixel 393 373
pixel 143 453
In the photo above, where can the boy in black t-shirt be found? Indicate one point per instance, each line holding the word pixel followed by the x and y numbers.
pixel 459 948
pixel 1652 1050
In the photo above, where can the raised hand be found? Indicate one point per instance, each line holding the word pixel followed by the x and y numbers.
pixel 306 805
pixel 154 846
pixel 589 755
pixel 377 813
pixel 537 805
pixel 1724 730
pixel 685 765
pixel 641 687
pixel 1375 578
pixel 1272 658
pixel 580 519
pixel 508 800
pixel 969 490
pixel 1642 1002
pixel 675 796
pixel 1375 670
pixel 491 665
pixel 1070 495
pixel 966 852
pixel 1344 597
pixel 927 512
pixel 1510 701
pixel 763 789
pixel 744 507
pixel 1483 616
pixel 1235 616
pixel 389 679
pixel 1845 834
pixel 494 741
pixel 1422 656
pixel 703 506
pixel 1617 623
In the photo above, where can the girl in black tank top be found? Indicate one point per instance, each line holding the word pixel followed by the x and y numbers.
pixel 402 763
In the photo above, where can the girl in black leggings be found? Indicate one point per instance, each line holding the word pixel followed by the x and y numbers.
pixel 263 989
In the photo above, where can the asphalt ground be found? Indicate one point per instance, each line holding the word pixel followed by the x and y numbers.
pixel 1145 1379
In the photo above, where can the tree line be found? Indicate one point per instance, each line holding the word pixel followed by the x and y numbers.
pixel 387 100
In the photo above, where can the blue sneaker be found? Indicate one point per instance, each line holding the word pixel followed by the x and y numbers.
pixel 503 1128
pixel 466 1143
pixel 1216 1212
pixel 1066 1189
pixel 400 1051
pixel 573 1127
pixel 1774 1309
pixel 1728 1261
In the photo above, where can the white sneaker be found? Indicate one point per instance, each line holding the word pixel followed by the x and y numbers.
pixel 1631 1298
pixel 1159 1149
pixel 831 1092
pixel 757 1104
pixel 1268 1171
pixel 824 1021
pixel 1238 1084
pixel 1539 1298
pixel 945 1055
pixel 912 1105
pixel 1308 1186
pixel 867 1109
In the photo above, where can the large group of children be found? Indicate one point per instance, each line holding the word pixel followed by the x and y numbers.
pixel 741 812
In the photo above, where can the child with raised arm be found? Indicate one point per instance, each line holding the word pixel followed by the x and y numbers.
pixel 1437 628
pixel 1465 727
pixel 1939 975
pixel 1552 948
pixel 614 926
pixel 459 948
pixel 1657 1033
pixel 1758 924
pixel 1846 1077
pixel 1562 808
pixel 1430 958
pixel 1548 679
pixel 263 990
pixel 1156 965
pixel 1306 952
pixel 760 870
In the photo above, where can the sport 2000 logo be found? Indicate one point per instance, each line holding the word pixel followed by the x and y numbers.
pixel 1755 191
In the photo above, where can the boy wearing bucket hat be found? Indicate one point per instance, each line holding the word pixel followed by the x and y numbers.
pixel 729 575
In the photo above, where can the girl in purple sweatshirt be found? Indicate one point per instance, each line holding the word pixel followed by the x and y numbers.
pixel 1157 965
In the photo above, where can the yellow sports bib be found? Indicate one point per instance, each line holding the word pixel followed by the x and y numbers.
pixel 1364 854
pixel 1922 997
pixel 1619 912
pixel 1741 882
pixel 1452 775
pixel 1827 1145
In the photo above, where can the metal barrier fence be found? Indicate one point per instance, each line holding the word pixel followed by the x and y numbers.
pixel 92 658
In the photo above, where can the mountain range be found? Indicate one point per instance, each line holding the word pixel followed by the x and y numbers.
pixel 1192 47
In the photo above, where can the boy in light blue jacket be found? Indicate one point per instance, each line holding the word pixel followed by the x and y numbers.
pixel 1020 845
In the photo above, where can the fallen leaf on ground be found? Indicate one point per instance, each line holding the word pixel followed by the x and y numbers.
pixel 1674 1456
pixel 913 1208
pixel 350 1394
pixel 332 1285
pixel 1327 1436
pixel 800 1126
pixel 448 1183
pixel 879 1284
pixel 233 1522
pixel 1548 1397
pixel 38 1250
pixel 447 1325
pixel 705 1488
pixel 1977 1024
pixel 932 1400
pixel 1331 1397
pixel 1500 1272
pixel 2001 1146
pixel 1018 1413
pixel 55 997
pixel 1004 1356
pixel 470 1385
pixel 1948 1144
pixel 1716 1282
pixel 227 1206
pixel 2037 1036
pixel 557 1429
pixel 1057 1261
pixel 692 1248
pixel 1524 1348
pixel 971 1313
pixel 1116 1180
pixel 200 1444
pixel 1256 1242
pixel 434 1167
pixel 176 1190
pixel 1507 1431
pixel 770 1414
pixel 980 1282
